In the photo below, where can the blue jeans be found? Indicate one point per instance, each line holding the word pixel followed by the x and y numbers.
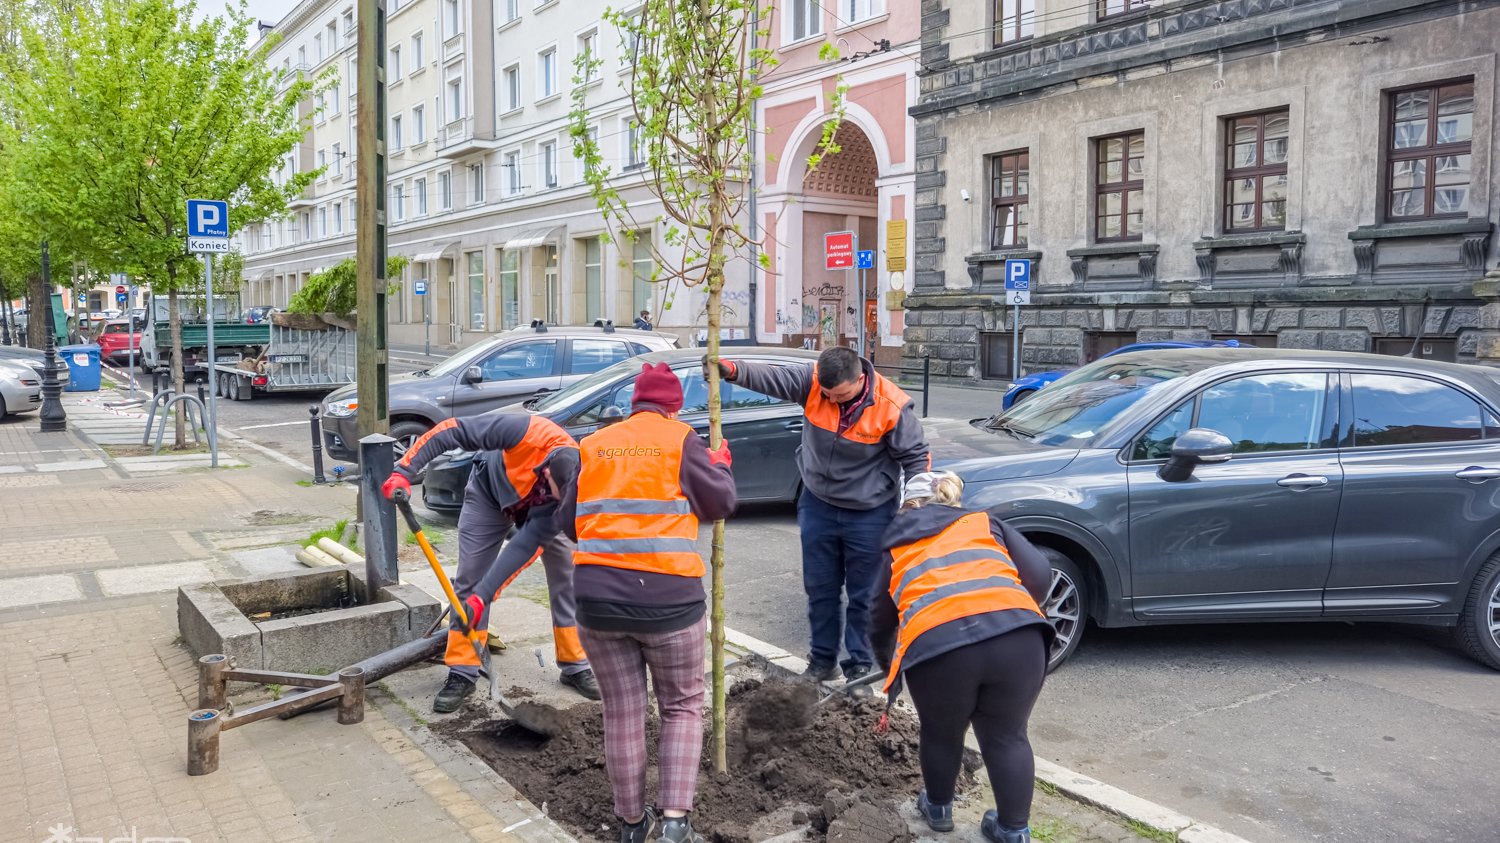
pixel 840 554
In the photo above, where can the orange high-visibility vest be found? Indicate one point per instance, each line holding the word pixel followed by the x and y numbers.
pixel 632 512
pixel 543 436
pixel 878 419
pixel 955 574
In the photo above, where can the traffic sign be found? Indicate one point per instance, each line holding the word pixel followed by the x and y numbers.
pixel 839 249
pixel 119 289
pixel 865 258
pixel 419 286
pixel 208 226
pixel 120 298
pixel 1018 282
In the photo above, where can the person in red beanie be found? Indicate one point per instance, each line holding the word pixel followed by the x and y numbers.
pixel 643 486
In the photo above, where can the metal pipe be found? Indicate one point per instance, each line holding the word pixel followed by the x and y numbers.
pixel 926 382
pixel 277 677
pixel 379 666
pixel 203 741
pixel 286 703
pixel 317 445
pixel 212 683
pixel 352 700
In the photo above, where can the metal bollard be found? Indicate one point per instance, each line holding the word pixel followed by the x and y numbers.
pixel 352 701
pixel 203 741
pixel 317 445
pixel 926 383
pixel 211 685
pixel 377 459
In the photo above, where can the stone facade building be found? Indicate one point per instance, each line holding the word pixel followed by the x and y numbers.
pixel 1293 173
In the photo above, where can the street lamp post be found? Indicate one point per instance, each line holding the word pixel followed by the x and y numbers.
pixel 54 418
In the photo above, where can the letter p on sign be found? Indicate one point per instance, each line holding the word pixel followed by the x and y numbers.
pixel 208 218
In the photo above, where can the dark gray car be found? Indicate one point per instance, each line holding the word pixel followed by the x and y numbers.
pixel 510 368
pixel 1254 485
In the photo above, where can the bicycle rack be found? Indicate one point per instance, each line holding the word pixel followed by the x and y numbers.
pixel 168 399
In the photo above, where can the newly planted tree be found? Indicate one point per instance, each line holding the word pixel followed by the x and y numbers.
pixel 692 85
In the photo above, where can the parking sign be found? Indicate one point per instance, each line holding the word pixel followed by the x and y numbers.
pixel 1018 282
pixel 865 259
pixel 208 226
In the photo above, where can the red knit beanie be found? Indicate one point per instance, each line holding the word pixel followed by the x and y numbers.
pixel 656 385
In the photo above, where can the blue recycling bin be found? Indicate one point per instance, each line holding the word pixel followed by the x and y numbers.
pixel 83 367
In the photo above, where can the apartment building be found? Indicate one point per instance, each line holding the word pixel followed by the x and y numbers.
pixel 486 198
pixel 1294 173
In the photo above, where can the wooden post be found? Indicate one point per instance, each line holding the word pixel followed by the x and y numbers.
pixel 369 249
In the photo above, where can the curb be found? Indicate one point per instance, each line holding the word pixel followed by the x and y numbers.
pixel 1075 786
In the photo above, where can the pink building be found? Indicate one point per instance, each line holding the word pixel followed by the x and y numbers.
pixel 867 188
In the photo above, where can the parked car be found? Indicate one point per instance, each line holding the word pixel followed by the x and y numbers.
pixel 1234 484
pixel 1027 385
pixel 37 360
pixel 20 388
pixel 116 341
pixel 763 432
pixel 510 368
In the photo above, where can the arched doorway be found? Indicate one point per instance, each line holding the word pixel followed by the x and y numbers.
pixel 839 195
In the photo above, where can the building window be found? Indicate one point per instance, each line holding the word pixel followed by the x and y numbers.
pixel 593 279
pixel 1255 180
pixel 806 19
pixel 322 222
pixel 510 289
pixel 512 173
pixel 323 163
pixel 549 163
pixel 635 147
pixel 1010 177
pixel 476 184
pixel 302 58
pixel 416 52
pixel 418 124
pixel 335 103
pixel 421 196
pixel 1119 185
pixel 476 291
pixel 858 10
pixel 994 355
pixel 1014 20
pixel 512 87
pixel 642 270
pixel 338 218
pixel 398 202
pixel 450 18
pixel 394 142
pixel 512 10
pixel 393 68
pixel 547 70
pixel 1110 8
pixel 1429 151
pixel 455 100
pixel 586 43
pixel 320 106
pixel 445 191
pixel 578 157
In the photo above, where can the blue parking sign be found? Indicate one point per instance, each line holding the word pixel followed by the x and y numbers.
pixel 1018 282
pixel 865 259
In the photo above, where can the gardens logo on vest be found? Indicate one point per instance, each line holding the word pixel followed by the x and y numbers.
pixel 633 451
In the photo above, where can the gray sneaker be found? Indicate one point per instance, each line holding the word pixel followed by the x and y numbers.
pixel 639 832
pixel 679 830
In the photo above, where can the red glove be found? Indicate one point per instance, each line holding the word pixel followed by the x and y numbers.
pixel 721 456
pixel 394 482
pixel 474 606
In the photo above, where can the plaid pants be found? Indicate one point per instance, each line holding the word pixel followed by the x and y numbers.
pixel 675 659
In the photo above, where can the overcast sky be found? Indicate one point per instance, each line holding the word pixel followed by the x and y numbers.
pixel 270 11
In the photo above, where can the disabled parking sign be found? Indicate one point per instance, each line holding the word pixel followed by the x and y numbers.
pixel 1018 282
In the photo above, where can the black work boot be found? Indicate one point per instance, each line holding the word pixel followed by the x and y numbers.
pixel 583 682
pixel 452 694
pixel 820 672
pixel 992 831
pixel 938 817
pixel 858 671
pixel 639 832
pixel 679 830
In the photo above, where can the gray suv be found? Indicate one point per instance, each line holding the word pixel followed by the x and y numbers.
pixel 510 368
pixel 1198 485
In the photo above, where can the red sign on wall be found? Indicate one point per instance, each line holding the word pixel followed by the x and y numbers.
pixel 839 246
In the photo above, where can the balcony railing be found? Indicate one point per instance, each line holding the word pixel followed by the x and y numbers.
pixel 461 137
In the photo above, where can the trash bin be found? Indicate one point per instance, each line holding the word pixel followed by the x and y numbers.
pixel 83 367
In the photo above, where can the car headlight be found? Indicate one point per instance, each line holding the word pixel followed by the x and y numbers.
pixel 341 409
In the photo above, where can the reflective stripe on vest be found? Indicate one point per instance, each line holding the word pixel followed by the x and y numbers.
pixel 632 512
pixel 960 572
pixel 874 422
pixel 525 457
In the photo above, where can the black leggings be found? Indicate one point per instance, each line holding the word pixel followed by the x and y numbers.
pixel 992 684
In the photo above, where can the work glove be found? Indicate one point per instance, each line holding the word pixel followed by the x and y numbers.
pixel 727 369
pixel 722 455
pixel 394 482
pixel 474 608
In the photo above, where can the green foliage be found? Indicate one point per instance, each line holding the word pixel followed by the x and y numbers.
pixel 335 290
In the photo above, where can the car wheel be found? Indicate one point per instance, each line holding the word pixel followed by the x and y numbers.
pixel 1065 606
pixel 1021 396
pixel 405 433
pixel 1479 624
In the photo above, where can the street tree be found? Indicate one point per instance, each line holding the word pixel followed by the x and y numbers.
pixel 335 289
pixel 127 109
pixel 692 84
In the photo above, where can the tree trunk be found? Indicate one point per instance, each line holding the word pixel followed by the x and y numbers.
pixel 174 320
pixel 36 314
pixel 718 211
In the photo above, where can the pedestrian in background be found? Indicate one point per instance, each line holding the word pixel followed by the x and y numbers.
pixel 645 484
pixel 862 433
pixel 959 619
pixel 643 322
pixel 526 466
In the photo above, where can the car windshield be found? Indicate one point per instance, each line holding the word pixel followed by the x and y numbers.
pixel 564 397
pixel 1071 411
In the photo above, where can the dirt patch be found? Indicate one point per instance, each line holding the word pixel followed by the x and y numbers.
pixel 344 602
pixel 272 518
pixel 791 763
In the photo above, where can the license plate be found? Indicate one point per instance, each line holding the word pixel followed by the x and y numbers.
pixel 228 358
pixel 288 358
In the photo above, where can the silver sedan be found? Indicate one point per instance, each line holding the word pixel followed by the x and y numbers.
pixel 20 388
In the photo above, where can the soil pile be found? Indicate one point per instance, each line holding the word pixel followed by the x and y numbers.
pixel 791 763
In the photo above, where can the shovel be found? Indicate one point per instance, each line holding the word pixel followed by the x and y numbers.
pixel 848 688
pixel 403 503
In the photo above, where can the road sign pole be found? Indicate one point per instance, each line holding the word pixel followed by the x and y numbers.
pixel 426 326
pixel 859 313
pixel 130 330
pixel 1015 349
pixel 213 400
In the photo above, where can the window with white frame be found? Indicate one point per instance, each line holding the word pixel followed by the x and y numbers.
pixel 804 20
pixel 349 25
pixel 420 191
pixel 306 226
pixel 635 147
pixel 586 52
pixel 512 173
pixel 301 58
pixel 632 43
pixel 338 160
pixel 318 46
pixel 858 10
pixel 547 73
pixel 418 124
pixel 512 10
pixel 549 163
pixel 476 184
pixel 320 106
pixel 582 165
pixel 336 103
pixel 513 87
pixel 450 18
pixel 398 201
pixel 455 99
pixel 394 141
pixel 416 52
pixel 393 66
pixel 445 191
pixel 323 163
pixel 338 218
pixel 331 37
pixel 323 221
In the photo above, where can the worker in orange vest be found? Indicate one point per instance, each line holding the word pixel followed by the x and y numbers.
pixel 645 484
pixel 862 434
pixel 527 465
pixel 959 618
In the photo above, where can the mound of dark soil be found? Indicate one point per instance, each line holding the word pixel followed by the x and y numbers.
pixel 822 765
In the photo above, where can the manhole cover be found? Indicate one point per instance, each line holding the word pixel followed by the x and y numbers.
pixel 142 487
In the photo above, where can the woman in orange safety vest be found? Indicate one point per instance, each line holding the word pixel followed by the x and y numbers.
pixel 956 614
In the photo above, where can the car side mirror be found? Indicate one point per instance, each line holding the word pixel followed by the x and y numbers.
pixel 473 375
pixel 1199 446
